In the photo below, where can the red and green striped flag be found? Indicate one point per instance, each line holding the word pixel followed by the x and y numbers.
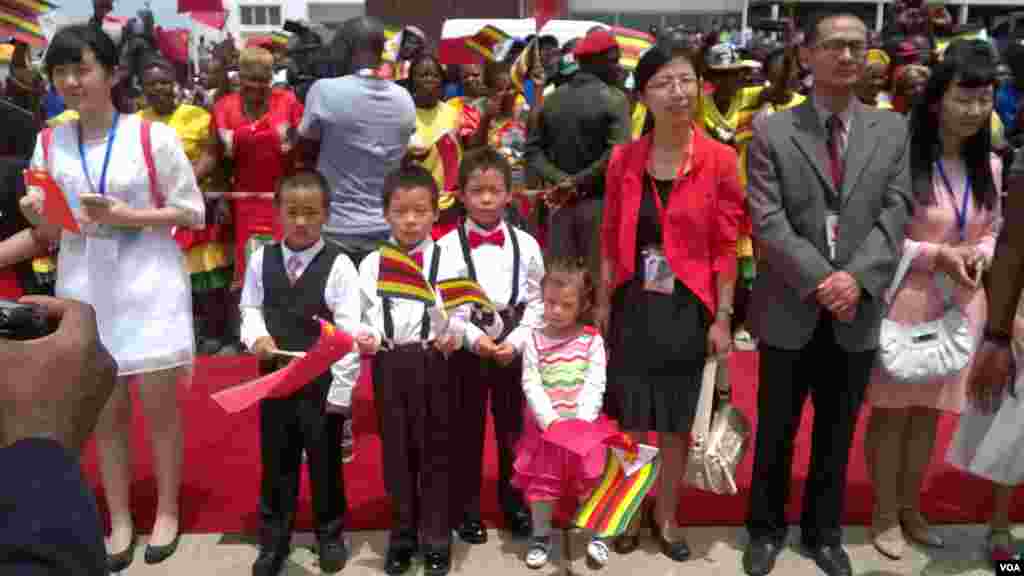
pixel 401 277
pixel 459 291
pixel 632 44
pixel 486 41
pixel 618 497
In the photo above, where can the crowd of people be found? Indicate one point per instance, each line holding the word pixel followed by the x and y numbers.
pixel 807 195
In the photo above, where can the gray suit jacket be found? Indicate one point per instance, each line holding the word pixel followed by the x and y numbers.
pixel 788 175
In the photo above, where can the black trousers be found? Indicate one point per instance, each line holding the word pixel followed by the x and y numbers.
pixel 287 426
pixel 474 379
pixel 836 381
pixel 574 231
pixel 414 400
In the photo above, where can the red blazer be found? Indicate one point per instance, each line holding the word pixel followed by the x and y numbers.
pixel 703 215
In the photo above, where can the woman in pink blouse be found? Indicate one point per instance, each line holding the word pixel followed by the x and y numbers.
pixel 956 219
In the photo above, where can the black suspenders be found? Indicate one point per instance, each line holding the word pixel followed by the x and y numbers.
pixel 468 257
pixel 389 322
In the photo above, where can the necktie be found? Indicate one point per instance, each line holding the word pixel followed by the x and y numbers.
pixel 835 153
pixel 418 258
pixel 497 238
pixel 294 265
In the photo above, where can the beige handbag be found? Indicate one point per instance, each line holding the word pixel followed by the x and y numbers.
pixel 718 441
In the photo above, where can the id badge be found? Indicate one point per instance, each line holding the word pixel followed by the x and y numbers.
pixel 832 234
pixel 658 276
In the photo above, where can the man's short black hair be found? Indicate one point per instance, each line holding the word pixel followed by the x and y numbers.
pixel 548 41
pixel 407 178
pixel 813 24
pixel 482 160
pixel 311 179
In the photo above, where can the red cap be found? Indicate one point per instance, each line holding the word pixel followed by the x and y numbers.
pixel 597 42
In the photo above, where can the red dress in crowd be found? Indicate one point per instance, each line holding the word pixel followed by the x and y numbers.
pixel 262 153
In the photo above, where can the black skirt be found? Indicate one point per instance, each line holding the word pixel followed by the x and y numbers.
pixel 658 345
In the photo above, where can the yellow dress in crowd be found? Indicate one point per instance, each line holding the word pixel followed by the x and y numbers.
pixel 432 125
pixel 207 258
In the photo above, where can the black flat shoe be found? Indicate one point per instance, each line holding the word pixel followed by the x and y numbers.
pixel 122 560
pixel 472 532
pixel 437 563
pixel 678 551
pixel 157 554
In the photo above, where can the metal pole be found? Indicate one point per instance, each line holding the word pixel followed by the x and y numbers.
pixel 879 16
pixel 745 16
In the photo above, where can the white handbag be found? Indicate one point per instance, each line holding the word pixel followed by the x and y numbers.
pixel 719 438
pixel 916 353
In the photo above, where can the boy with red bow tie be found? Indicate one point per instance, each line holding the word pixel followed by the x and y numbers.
pixel 507 262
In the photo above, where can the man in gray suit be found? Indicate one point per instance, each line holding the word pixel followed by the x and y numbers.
pixel 829 193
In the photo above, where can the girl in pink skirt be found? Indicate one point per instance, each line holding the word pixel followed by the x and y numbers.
pixel 563 380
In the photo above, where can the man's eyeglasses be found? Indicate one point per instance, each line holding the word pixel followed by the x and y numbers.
pixel 857 48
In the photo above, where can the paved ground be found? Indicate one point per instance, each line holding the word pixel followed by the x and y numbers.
pixel 717 551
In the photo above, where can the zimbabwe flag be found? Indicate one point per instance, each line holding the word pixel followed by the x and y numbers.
pixel 20 19
pixel 400 277
pixel 632 45
pixel 459 291
pixel 486 41
pixel 617 498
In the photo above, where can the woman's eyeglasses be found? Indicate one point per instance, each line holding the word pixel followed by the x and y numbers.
pixel 665 84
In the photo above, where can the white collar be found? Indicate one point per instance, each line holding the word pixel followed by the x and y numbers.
pixel 307 254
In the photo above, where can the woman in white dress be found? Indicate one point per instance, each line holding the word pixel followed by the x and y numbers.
pixel 127 266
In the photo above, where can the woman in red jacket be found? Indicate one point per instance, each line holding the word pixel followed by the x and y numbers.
pixel 668 240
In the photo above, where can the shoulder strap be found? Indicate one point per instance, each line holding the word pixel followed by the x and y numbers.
pixel 435 261
pixel 466 252
pixel 906 259
pixel 147 154
pixel 514 299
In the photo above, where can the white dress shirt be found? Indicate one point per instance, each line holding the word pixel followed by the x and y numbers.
pixel 494 274
pixel 844 121
pixel 406 315
pixel 341 294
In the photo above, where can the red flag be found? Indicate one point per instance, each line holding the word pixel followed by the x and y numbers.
pixel 55 205
pixel 332 346
pixel 173 44
pixel 543 10
pixel 200 6
pixel 212 19
pixel 456 51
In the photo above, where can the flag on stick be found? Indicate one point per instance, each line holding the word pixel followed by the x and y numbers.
pixel 486 41
pixel 632 45
pixel 618 497
pixel 401 277
pixel 20 19
pixel 55 204
pixel 332 345
pixel 459 291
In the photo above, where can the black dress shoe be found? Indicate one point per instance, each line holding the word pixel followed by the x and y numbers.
pixel 518 523
pixel 437 563
pixel 472 532
pixel 269 563
pixel 760 555
pixel 677 551
pixel 832 560
pixel 122 560
pixel 333 556
pixel 157 554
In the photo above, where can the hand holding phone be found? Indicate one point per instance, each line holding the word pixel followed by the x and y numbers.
pixel 22 321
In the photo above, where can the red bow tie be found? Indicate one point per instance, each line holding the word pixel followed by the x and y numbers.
pixel 497 238
pixel 418 258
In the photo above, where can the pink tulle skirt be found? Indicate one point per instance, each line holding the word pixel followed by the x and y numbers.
pixel 548 472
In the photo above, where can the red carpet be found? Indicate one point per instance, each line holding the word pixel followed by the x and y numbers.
pixel 222 470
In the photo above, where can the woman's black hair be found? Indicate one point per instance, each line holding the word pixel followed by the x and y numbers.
pixel 418 61
pixel 661 53
pixel 69 43
pixel 494 70
pixel 968 63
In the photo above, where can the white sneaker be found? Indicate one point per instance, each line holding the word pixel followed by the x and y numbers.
pixel 597 552
pixel 539 552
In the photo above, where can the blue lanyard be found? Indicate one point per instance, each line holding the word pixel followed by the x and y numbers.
pixel 106 158
pixel 961 214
